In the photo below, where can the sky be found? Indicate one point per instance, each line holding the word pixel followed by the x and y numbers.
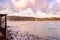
pixel 42 5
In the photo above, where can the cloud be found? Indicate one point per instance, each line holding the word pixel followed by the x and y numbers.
pixel 6 5
pixel 58 1
pixel 41 4
pixel 57 7
pixel 34 4
pixel 24 3
pixel 32 1
pixel 20 3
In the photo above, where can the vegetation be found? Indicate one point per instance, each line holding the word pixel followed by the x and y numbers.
pixel 17 18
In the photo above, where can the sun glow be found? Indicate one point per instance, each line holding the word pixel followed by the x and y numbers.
pixel 20 3
pixel 58 1
pixel 32 1
pixel 23 3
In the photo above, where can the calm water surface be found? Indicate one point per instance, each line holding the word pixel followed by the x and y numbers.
pixel 40 28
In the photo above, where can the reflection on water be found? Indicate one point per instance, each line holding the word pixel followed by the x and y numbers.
pixel 40 28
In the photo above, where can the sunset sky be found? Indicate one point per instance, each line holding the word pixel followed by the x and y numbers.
pixel 42 5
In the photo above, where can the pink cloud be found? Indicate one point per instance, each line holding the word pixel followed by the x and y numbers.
pixel 6 5
pixel 30 3
pixel 56 7
pixel 43 4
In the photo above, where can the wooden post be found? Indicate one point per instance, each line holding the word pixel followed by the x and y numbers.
pixel 0 20
pixel 5 24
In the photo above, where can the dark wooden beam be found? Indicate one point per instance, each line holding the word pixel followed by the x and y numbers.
pixel 5 26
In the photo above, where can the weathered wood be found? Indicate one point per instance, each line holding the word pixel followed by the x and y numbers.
pixel 3 30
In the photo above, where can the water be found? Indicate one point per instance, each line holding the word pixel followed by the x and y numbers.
pixel 40 28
